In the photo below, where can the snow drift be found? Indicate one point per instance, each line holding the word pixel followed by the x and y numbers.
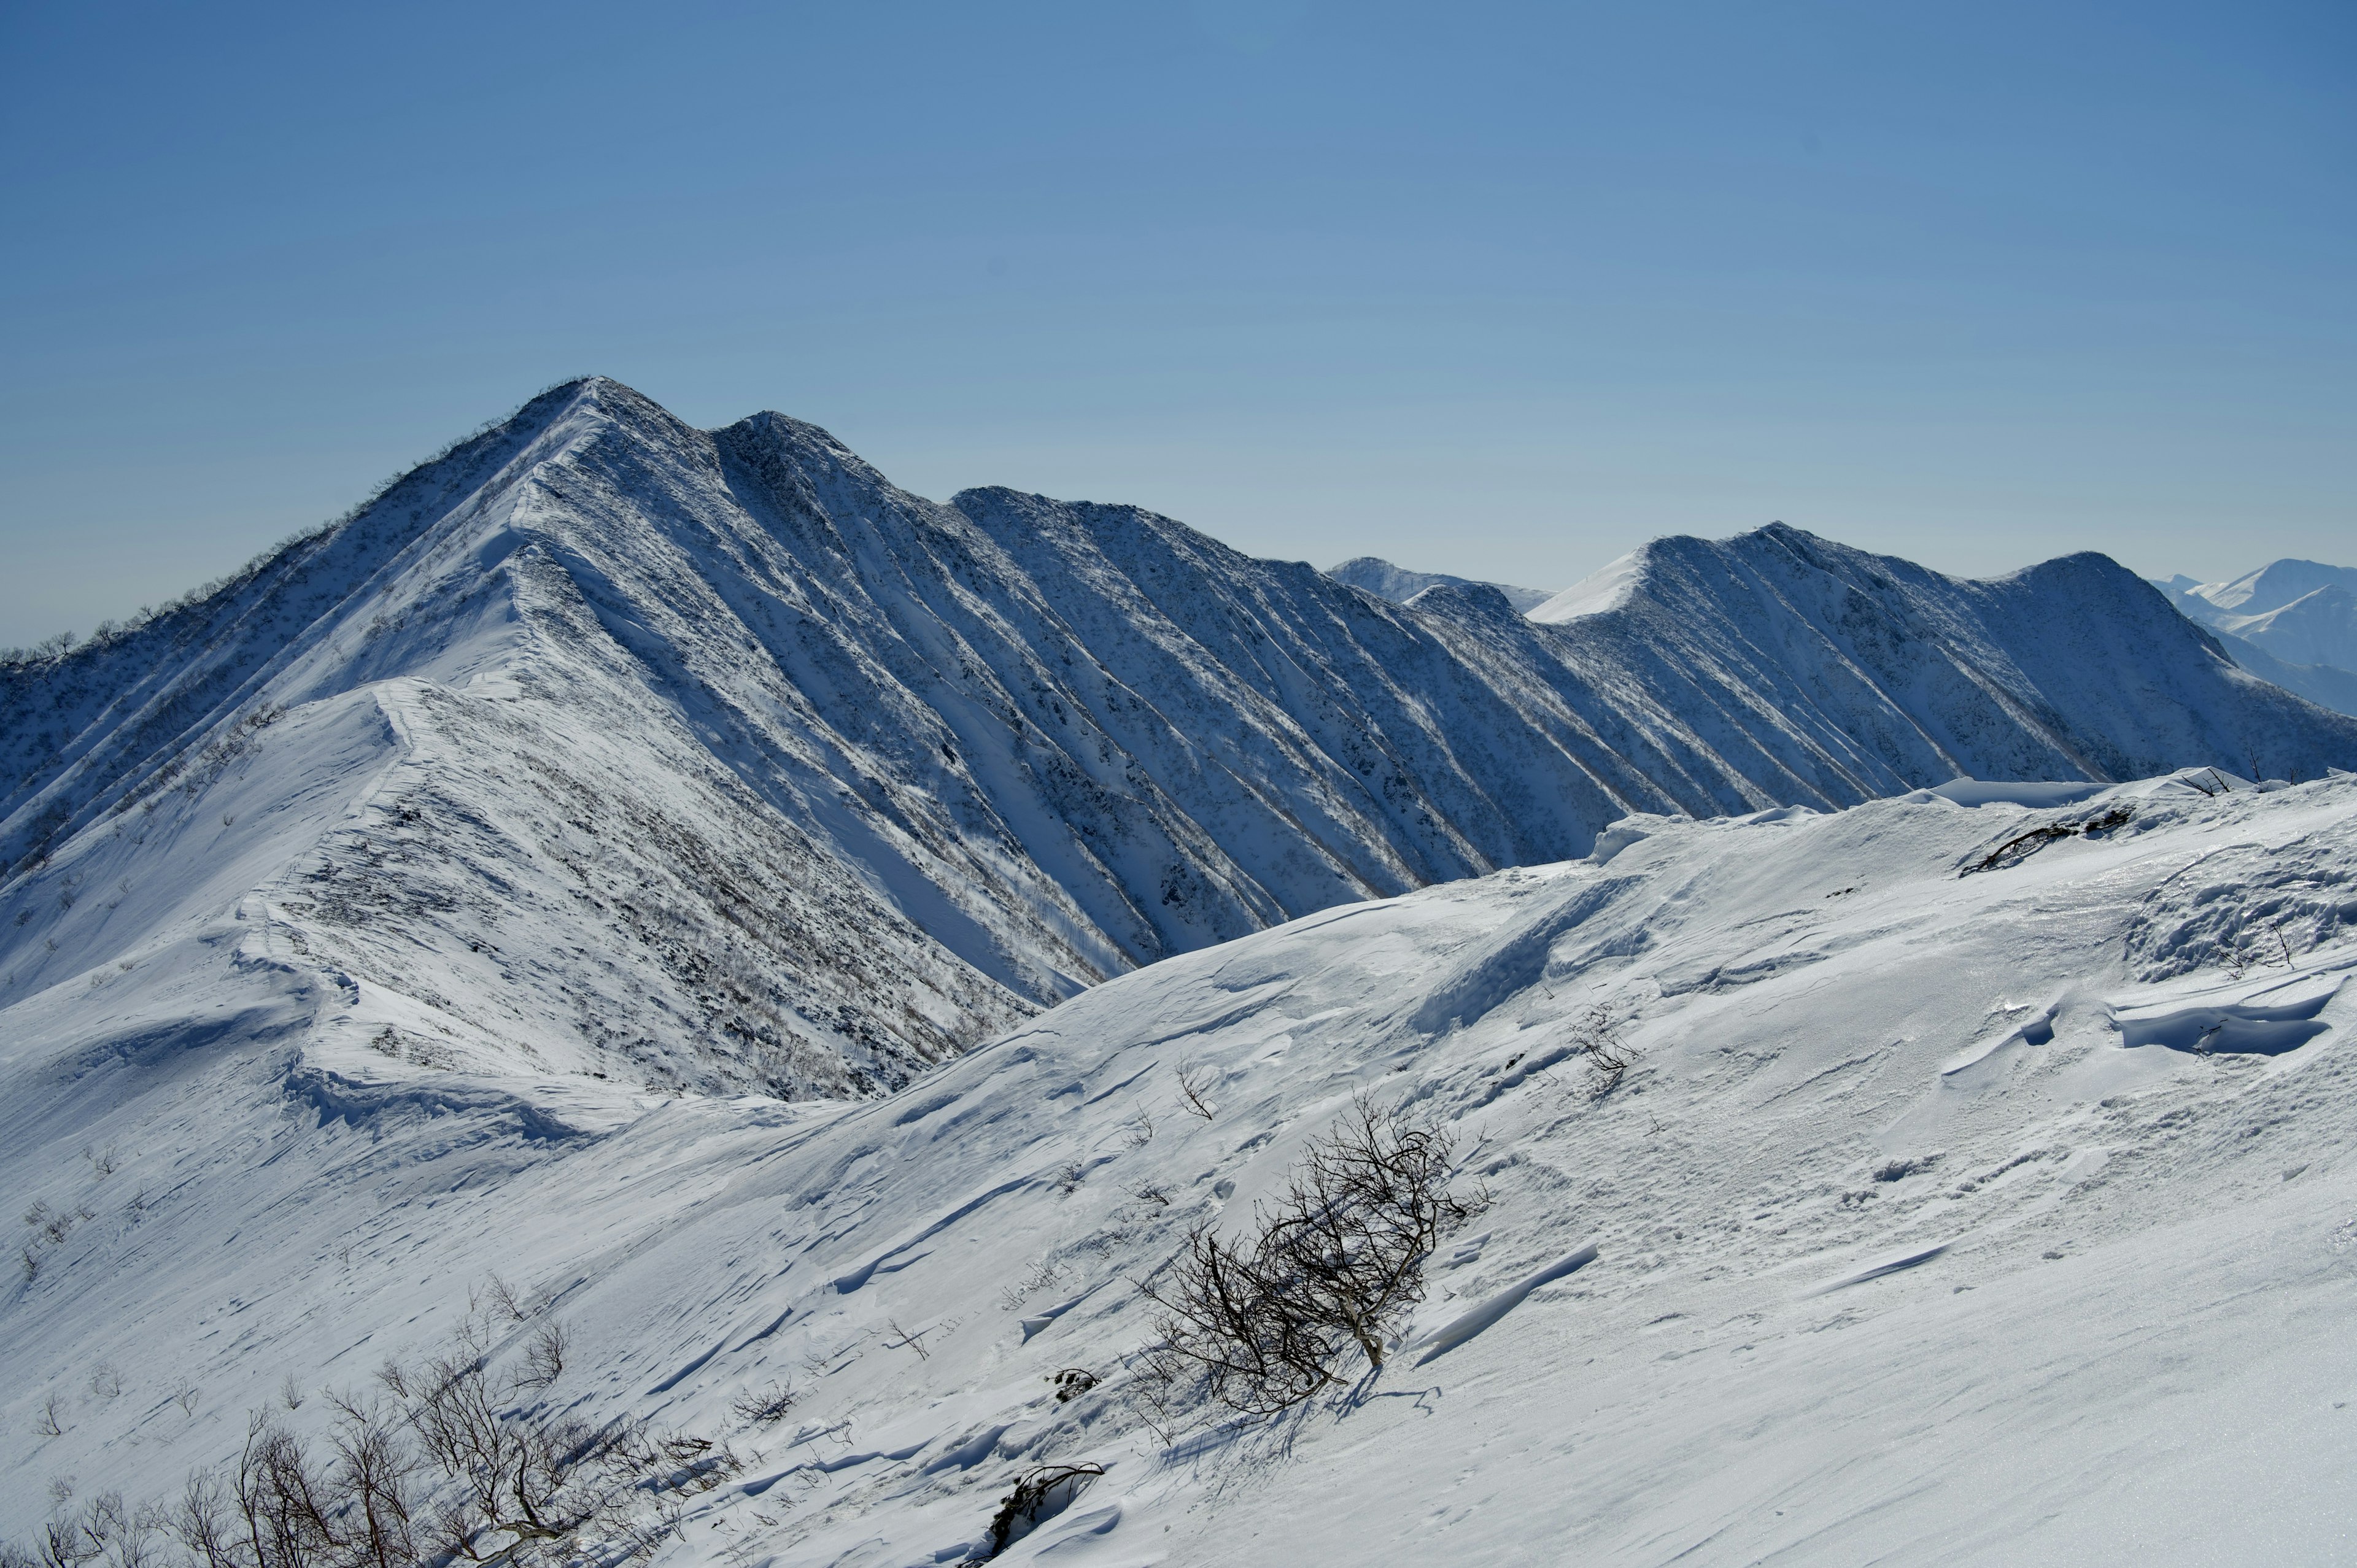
pixel 1997 1217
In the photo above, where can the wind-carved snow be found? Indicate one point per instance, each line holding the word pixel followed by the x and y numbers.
pixel 1951 1243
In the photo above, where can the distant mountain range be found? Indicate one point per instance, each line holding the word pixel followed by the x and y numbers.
pixel 2291 622
pixel 605 746
pixel 1397 584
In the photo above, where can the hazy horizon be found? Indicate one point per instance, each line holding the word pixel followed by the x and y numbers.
pixel 1500 294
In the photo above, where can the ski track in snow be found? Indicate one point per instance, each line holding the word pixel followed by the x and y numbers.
pixel 1954 1243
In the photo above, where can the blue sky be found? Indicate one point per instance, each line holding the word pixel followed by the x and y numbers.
pixel 1489 288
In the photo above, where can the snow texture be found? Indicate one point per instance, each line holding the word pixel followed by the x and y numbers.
pixel 1941 1217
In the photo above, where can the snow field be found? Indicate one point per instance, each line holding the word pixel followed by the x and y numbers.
pixel 1941 1217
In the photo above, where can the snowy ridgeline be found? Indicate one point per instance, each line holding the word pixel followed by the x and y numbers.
pixel 1401 586
pixel 1975 1188
pixel 2291 622
pixel 607 747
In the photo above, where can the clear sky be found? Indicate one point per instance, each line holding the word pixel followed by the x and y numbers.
pixel 1489 288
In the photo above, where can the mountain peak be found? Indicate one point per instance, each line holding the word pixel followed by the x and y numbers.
pixel 1379 577
pixel 795 783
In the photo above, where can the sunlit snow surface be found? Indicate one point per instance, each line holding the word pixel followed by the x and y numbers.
pixel 2003 1217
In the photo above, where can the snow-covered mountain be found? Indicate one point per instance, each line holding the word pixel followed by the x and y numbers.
pixel 2292 622
pixel 1399 584
pixel 1978 1191
pixel 604 746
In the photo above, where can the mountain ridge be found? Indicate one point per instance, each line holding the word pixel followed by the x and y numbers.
pixel 1400 585
pixel 790 781
pixel 2293 622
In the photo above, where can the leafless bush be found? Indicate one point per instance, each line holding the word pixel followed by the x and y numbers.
pixel 501 1298
pixel 544 1355
pixel 1194 1082
pixel 1046 1275
pixel 1596 1039
pixel 50 1225
pixel 1069 1179
pixel 290 1393
pixel 101 1161
pixel 1139 1131
pixel 768 1405
pixel 106 1381
pixel 1071 1382
pixel 102 1531
pixel 1337 1259
pixel 1152 1192
pixel 451 1461
pixel 185 1396
pixel 907 1341
pixel 1039 1494
pixel 51 1421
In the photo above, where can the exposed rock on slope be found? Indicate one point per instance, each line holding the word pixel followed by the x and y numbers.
pixel 607 745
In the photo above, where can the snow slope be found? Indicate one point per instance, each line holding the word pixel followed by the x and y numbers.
pixel 1946 1216
pixel 1399 584
pixel 2297 614
pixel 605 746
pixel 2326 685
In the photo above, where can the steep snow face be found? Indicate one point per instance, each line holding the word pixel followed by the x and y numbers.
pixel 2317 628
pixel 2274 586
pixel 710 759
pixel 2326 685
pixel 1866 675
pixel 1606 589
pixel 2291 622
pixel 1397 584
pixel 1944 1215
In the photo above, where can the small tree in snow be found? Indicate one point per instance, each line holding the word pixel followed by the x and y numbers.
pixel 1335 1260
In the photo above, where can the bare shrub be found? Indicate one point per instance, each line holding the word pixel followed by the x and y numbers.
pixel 1195 1082
pixel 50 1225
pixel 1070 1177
pixel 544 1355
pixel 1046 1275
pixel 1336 1260
pixel 1595 1040
pixel 1039 1494
pixel 502 1299
pixel 51 1421
pixel 770 1404
pixel 1139 1131
pixel 102 1531
pixel 1071 1382
pixel 450 1462
pixel 528 1481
